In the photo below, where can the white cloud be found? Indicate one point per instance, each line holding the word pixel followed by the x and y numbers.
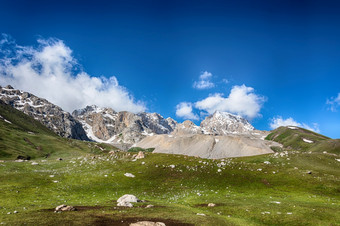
pixel 204 81
pixel 279 121
pixel 334 103
pixel 184 110
pixel 241 101
pixel 226 81
pixel 50 71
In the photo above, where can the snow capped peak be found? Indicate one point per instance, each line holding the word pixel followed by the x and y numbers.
pixel 223 123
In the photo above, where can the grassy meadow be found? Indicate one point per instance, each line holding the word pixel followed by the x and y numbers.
pixel 297 185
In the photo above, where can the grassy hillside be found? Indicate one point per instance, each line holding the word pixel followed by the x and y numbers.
pixel 304 140
pixel 21 135
pixel 296 187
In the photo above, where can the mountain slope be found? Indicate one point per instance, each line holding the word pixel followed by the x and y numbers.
pixel 108 126
pixel 222 123
pixel 21 136
pixel 297 138
pixel 50 115
pixel 207 146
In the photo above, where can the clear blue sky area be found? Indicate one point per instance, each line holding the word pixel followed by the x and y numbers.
pixel 287 51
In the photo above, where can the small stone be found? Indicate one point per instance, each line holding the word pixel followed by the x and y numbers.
pixel 15 211
pixel 64 207
pixel 129 175
pixel 149 206
pixel 211 204
pixel 140 155
pixel 34 163
pixel 200 214
pixel 147 223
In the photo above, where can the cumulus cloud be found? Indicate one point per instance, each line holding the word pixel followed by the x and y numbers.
pixel 279 121
pixel 242 100
pixel 50 71
pixel 184 110
pixel 204 81
pixel 334 103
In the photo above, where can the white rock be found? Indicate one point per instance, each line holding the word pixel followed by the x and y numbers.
pixel 126 200
pixel 129 175
pixel 140 155
pixel 64 208
pixel 307 141
pixel 147 223
pixel 276 202
pixel 211 204
pixel 266 162
pixel 172 166
pixel 126 204
pixel 200 214
pixel 34 163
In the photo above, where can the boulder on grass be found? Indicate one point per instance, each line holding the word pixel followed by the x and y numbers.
pixel 126 200
pixel 64 207
pixel 147 223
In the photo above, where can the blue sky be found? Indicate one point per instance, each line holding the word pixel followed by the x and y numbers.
pixel 274 62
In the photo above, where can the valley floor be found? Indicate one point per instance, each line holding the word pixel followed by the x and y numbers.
pixel 285 188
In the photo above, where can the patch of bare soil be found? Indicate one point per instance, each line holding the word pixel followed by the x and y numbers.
pixel 103 221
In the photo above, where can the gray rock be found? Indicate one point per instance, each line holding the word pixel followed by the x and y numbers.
pixel 126 200
pixel 122 127
pixel 50 115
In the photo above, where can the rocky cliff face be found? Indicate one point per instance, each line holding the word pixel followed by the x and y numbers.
pixel 52 116
pixel 187 127
pixel 223 123
pixel 109 126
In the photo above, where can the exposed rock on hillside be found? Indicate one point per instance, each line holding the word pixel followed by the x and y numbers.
pixel 109 126
pixel 187 127
pixel 222 123
pixel 52 116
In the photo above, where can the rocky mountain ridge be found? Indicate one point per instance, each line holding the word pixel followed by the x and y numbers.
pixel 108 126
pixel 122 129
pixel 50 115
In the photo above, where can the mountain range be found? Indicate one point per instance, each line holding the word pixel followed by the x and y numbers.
pixel 219 135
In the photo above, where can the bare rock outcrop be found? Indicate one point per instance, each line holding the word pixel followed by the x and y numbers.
pixel 50 115
pixel 121 128
pixel 223 123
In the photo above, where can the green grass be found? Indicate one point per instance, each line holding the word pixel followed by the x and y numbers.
pixel 243 194
pixel 293 139
pixel 138 149
pixel 247 190
pixel 28 138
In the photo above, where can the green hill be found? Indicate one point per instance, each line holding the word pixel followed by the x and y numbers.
pixel 296 187
pixel 23 137
pixel 304 140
